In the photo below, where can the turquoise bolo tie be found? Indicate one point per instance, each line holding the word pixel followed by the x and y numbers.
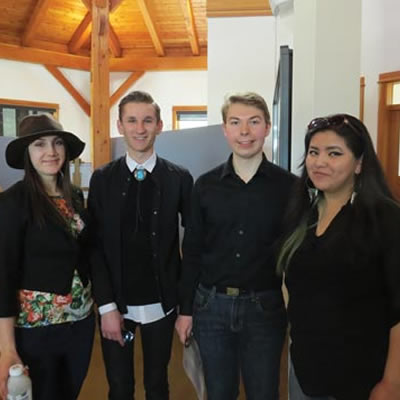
pixel 140 174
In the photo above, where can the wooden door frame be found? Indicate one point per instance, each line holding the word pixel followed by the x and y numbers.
pixel 386 82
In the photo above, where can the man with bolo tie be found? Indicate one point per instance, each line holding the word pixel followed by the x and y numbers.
pixel 135 202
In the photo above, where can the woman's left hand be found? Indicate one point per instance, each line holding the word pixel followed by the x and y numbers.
pixel 384 390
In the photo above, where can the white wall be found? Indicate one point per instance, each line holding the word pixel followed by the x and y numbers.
pixel 380 51
pixel 169 88
pixel 32 82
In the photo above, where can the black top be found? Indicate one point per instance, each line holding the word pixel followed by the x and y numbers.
pixel 344 297
pixel 229 241
pixel 140 285
pixel 35 257
pixel 169 203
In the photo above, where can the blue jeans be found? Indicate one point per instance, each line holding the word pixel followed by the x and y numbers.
pixel 295 392
pixel 240 335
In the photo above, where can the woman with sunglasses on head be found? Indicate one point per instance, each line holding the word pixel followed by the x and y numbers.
pixel 341 258
pixel 46 318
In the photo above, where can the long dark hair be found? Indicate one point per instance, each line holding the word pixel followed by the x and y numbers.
pixel 42 207
pixel 370 184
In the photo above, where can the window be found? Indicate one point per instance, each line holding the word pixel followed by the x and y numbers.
pixel 396 93
pixel 11 112
pixel 184 117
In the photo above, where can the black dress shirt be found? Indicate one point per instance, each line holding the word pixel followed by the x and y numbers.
pixel 233 226
pixel 344 297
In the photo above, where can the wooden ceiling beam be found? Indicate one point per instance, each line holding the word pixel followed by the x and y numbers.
pixel 100 85
pixel 88 4
pixel 237 8
pixel 151 27
pixel 115 46
pixel 38 56
pixel 143 63
pixel 128 63
pixel 81 34
pixel 190 26
pixel 69 88
pixel 34 21
pixel 133 77
pixel 114 4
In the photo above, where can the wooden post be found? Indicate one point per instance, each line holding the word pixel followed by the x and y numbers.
pixel 100 96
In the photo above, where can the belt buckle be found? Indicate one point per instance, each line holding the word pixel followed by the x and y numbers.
pixel 232 291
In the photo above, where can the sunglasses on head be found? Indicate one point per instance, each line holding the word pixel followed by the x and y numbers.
pixel 327 122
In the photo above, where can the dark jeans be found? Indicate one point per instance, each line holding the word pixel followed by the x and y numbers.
pixel 119 361
pixel 240 334
pixel 58 357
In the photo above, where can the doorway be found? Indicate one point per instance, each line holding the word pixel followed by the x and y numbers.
pixel 389 129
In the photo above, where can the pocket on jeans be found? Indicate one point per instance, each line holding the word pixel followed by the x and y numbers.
pixel 270 304
pixel 202 300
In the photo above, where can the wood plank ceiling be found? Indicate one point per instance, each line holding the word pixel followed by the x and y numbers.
pixel 144 34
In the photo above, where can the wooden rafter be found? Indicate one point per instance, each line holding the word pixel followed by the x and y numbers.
pixel 151 27
pixel 133 77
pixel 100 82
pixel 190 26
pixel 128 63
pixel 157 63
pixel 38 56
pixel 69 87
pixel 114 43
pixel 82 34
pixel 114 5
pixel 88 4
pixel 34 21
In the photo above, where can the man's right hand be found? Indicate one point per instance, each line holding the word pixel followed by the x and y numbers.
pixel 111 325
pixel 183 326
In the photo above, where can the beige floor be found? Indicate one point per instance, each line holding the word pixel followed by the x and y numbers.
pixel 95 387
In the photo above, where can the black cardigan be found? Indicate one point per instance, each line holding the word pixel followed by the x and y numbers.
pixel 33 257
pixel 171 198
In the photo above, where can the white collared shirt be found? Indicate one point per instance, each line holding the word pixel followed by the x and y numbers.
pixel 149 312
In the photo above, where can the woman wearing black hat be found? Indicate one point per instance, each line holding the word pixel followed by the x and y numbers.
pixel 46 318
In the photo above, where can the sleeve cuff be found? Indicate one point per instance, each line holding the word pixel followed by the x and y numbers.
pixel 107 308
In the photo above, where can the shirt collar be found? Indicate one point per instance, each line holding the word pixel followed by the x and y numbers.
pixel 148 165
pixel 229 170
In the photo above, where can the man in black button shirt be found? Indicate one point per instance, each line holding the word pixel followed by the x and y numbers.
pixel 134 202
pixel 229 283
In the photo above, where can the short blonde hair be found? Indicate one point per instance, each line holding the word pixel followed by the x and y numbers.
pixel 248 99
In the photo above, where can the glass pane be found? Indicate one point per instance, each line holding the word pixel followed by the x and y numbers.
pixel 396 93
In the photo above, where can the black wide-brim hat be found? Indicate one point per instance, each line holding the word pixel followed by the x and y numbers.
pixel 33 127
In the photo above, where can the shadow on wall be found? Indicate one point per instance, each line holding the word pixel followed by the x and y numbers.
pixel 197 149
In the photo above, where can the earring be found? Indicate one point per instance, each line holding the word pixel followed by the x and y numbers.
pixel 313 192
pixel 352 197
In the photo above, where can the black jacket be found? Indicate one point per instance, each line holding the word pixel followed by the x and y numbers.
pixel 108 188
pixel 34 257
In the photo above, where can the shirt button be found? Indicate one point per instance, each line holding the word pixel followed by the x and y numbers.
pixel 155 212
pixel 237 255
pixel 153 233
pixel 241 232
pixel 123 194
pixel 129 179
pixel 154 255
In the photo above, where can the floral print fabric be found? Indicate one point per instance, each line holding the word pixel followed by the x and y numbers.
pixel 42 308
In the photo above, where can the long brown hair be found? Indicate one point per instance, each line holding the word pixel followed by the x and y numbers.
pixel 42 207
